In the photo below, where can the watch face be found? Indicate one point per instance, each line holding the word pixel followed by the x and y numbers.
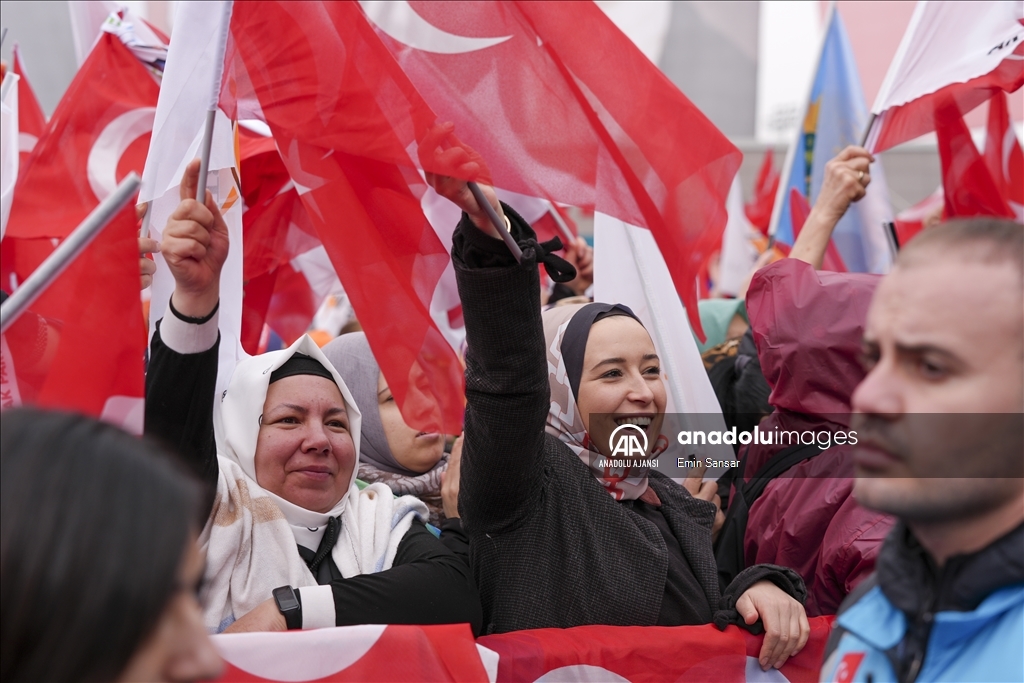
pixel 285 598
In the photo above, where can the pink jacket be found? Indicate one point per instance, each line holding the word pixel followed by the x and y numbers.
pixel 808 326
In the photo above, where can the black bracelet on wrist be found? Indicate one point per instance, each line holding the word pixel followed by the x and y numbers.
pixel 188 318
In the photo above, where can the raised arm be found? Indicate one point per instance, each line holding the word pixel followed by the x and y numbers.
pixel 182 375
pixel 507 388
pixel 846 180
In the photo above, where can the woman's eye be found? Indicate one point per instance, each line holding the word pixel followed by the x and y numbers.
pixel 289 420
pixel 653 370
pixel 337 424
pixel 612 374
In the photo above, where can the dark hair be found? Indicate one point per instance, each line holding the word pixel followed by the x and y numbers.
pixel 987 240
pixel 93 528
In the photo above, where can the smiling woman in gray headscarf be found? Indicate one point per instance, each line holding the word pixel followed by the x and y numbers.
pixel 408 461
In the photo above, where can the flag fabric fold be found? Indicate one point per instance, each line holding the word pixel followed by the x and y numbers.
pixel 968 185
pixel 31 120
pixel 563 105
pixel 952 54
pixel 346 120
pixel 1003 155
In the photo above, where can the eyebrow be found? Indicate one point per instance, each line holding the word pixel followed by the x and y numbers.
pixel 300 409
pixel 615 361
pixel 921 349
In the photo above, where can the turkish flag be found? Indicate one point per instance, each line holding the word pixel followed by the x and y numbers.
pixel 562 104
pixel 759 209
pixel 345 120
pixel 31 120
pixel 99 133
pixel 354 653
pixel 912 220
pixel 1003 155
pixel 82 343
pixel 648 653
pixel 276 230
pixel 970 189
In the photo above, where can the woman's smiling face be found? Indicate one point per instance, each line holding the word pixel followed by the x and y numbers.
pixel 305 452
pixel 621 381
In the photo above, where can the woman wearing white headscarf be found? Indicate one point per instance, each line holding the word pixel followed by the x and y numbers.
pixel 291 542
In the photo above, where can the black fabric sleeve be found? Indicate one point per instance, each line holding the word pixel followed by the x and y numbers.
pixel 427 584
pixel 785 578
pixel 180 390
pixel 455 539
pixel 507 390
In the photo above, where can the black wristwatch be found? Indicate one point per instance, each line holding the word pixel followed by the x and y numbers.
pixel 288 602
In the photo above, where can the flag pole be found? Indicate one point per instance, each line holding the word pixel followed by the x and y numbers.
pixel 496 220
pixel 204 155
pixel 867 130
pixel 562 227
pixel 68 251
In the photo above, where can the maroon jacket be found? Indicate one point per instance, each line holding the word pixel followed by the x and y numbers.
pixel 808 326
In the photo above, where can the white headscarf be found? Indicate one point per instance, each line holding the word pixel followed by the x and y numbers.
pixel 251 534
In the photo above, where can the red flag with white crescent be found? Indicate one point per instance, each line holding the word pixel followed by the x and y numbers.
pixel 98 134
pixel 563 105
pixel 81 345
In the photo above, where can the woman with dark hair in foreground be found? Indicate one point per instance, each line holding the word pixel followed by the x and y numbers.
pixel 100 568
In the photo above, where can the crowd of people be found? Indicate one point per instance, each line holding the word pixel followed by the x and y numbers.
pixel 300 498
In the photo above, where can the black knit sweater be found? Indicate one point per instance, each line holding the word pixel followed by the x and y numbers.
pixel 549 546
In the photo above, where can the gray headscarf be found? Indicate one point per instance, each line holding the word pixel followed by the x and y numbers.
pixel 351 356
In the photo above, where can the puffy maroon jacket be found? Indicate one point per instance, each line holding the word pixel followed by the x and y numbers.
pixel 808 327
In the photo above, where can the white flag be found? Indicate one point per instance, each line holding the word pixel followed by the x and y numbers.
pixel 955 51
pixel 629 269
pixel 738 251
pixel 190 83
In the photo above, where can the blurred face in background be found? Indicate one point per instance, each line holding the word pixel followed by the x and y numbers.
pixel 415 450
pixel 938 414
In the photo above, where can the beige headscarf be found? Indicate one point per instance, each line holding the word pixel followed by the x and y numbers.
pixel 564 419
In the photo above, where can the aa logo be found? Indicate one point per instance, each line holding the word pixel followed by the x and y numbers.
pixel 628 441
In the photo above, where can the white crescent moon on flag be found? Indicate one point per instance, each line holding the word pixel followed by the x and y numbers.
pixel 400 21
pixel 106 152
pixel 26 142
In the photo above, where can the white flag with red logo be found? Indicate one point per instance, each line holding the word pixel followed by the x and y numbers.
pixel 561 104
pixel 953 53
pixel 81 345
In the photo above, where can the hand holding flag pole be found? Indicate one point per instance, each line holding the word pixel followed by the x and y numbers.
pixel 68 251
pixel 496 220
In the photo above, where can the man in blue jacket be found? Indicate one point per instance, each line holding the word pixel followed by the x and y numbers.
pixel 940 426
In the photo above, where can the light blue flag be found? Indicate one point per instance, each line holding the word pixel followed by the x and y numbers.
pixel 836 115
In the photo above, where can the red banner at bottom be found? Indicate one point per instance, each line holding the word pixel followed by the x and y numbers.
pixel 449 653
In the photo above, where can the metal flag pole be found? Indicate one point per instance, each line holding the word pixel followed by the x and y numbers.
pixel 496 220
pixel 204 155
pixel 68 251
pixel 867 130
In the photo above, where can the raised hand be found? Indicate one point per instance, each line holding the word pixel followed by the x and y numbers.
pixel 195 246
pixel 846 180
pixel 447 162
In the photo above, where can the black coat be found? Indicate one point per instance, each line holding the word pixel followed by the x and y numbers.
pixel 549 546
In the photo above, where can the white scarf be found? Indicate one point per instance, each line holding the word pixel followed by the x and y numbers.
pixel 251 535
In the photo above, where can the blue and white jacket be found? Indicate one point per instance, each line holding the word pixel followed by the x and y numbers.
pixel 912 621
